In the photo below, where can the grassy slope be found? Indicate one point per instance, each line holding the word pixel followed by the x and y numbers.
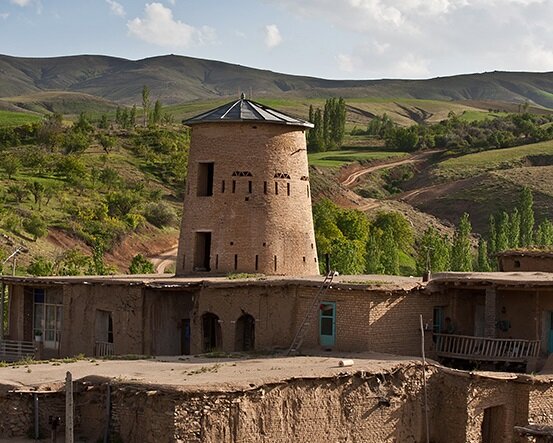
pixel 176 79
pixel 10 118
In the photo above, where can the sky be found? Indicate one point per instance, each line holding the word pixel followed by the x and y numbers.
pixel 338 39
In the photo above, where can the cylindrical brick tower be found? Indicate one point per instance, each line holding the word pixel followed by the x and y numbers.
pixel 247 206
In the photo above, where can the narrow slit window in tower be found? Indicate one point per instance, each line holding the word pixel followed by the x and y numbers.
pixel 217 261
pixel 223 187
pixel 249 187
pixel 276 188
pixel 256 262
pixel 264 187
pixel 205 179
pixel 288 189
pixel 275 259
pixel 235 262
pixel 233 186
pixel 202 251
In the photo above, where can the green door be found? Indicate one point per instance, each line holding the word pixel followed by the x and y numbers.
pixel 327 329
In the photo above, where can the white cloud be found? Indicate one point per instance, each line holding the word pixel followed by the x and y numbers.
pixel 21 3
pixel 414 38
pixel 116 8
pixel 4 15
pixel 272 36
pixel 159 27
pixel 172 1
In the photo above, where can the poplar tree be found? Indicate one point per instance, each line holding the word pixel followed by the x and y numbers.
pixel 374 253
pixel 492 235
pixel 544 234
pixel 483 262
pixel 390 253
pixel 461 251
pixel 502 242
pixel 433 248
pixel 514 229
pixel 526 207
pixel 145 104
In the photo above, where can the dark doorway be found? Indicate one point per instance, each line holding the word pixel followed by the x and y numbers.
pixel 493 425
pixel 205 179
pixel 211 330
pixel 202 253
pixel 185 337
pixel 245 333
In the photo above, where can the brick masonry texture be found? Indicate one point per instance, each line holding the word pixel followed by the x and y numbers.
pixel 275 228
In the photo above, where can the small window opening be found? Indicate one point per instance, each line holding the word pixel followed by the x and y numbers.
pixel 217 261
pixel 311 245
pixel 205 179
pixel 517 263
pixel 304 178
pixel 288 189
pixel 235 262
pixel 264 187
pixel 256 262
pixel 304 259
pixel 282 175
pixel 223 187
pixel 264 244
pixel 231 243
pixel 242 174
pixel 275 259
pixel 276 188
pixel 233 186
pixel 250 187
pixel 183 261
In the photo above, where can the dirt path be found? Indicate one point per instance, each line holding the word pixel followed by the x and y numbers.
pixel 165 259
pixel 352 178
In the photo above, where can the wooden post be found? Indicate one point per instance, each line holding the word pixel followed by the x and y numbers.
pixel 68 408
pixel 37 429
pixel 2 297
pixel 424 382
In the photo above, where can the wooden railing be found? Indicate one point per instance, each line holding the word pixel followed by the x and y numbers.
pixel 11 350
pixel 486 349
pixel 103 349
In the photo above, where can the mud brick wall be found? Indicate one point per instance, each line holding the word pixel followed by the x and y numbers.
pixel 376 321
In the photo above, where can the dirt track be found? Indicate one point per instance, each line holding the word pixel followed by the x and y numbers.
pixel 165 259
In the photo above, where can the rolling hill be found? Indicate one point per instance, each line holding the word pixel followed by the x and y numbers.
pixel 177 79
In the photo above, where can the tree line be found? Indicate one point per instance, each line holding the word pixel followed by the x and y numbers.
pixel 330 126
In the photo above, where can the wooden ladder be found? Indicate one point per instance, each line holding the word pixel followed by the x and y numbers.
pixel 310 314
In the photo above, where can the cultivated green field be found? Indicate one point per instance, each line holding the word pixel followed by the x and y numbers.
pixel 474 164
pixel 340 158
pixel 9 118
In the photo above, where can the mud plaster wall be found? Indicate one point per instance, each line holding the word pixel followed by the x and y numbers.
pixel 79 316
pixel 376 321
pixel 272 307
pixel 360 407
pixel 163 315
pixel 526 263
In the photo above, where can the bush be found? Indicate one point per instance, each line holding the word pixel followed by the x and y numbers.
pixel 141 265
pixel 41 267
pixel 160 214
pixel 35 226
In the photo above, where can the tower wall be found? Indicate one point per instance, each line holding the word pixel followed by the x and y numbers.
pixel 258 223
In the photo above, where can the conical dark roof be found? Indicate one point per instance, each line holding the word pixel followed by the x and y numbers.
pixel 246 110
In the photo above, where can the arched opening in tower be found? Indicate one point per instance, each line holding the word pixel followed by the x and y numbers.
pixel 211 332
pixel 245 333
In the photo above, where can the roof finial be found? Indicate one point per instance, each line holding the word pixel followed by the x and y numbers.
pixel 242 96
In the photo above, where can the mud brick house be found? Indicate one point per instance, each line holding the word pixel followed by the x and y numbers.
pixel 525 261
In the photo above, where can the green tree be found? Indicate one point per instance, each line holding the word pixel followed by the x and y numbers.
pixel 347 256
pixel 502 242
pixel 373 258
pixel 514 229
pixel 107 143
pixel 10 164
pixel 160 214
pixel 390 252
pixel 36 188
pixel 157 114
pixel 141 265
pixel 526 208
pixel 399 226
pixel 461 251
pixel 36 226
pixel 544 234
pixel 75 142
pixel 492 229
pixel 145 104
pixel 483 262
pixel 41 267
pixel 433 250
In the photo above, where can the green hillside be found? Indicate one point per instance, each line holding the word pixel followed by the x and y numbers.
pixel 178 79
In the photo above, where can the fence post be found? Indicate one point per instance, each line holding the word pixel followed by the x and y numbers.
pixel 68 408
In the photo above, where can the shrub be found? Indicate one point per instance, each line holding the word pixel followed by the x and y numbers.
pixel 141 265
pixel 160 214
